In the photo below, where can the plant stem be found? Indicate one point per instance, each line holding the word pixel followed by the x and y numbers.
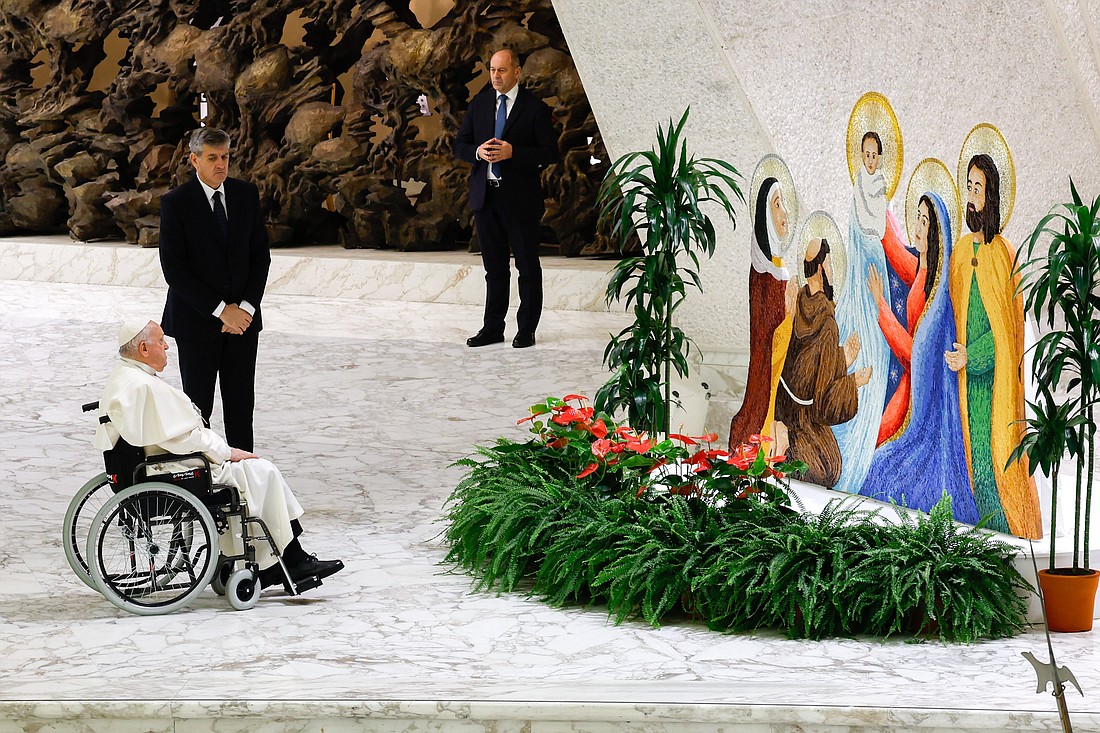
pixel 667 417
pixel 1053 511
pixel 1081 438
pixel 1088 486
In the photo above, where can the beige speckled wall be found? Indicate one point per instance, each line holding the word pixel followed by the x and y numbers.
pixel 782 75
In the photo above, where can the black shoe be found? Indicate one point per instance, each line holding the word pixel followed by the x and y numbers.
pixel 484 339
pixel 523 340
pixel 271 576
pixel 311 566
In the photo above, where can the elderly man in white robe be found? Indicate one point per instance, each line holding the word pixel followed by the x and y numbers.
pixel 149 412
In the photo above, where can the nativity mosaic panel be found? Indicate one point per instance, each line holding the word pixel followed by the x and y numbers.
pixel 886 356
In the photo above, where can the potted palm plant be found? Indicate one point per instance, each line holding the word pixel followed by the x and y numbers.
pixel 1061 284
pixel 658 196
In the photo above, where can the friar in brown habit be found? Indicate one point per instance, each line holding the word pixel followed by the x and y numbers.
pixel 816 390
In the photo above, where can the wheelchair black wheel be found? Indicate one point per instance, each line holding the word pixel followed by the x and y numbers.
pixel 152 549
pixel 85 504
pixel 243 589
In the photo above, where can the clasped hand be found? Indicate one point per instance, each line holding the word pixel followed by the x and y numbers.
pixel 235 319
pixel 494 150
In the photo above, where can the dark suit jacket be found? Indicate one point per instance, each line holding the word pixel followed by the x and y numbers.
pixel 530 130
pixel 203 268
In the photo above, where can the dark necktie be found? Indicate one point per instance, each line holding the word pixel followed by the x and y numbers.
pixel 498 131
pixel 219 215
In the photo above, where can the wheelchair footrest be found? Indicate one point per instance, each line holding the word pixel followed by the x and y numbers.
pixel 307 583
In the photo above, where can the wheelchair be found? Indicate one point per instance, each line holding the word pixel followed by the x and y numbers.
pixel 148 542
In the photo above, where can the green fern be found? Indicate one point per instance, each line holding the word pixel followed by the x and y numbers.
pixel 927 574
pixel 517 520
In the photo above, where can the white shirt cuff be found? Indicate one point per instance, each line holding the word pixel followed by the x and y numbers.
pixel 248 308
pixel 219 309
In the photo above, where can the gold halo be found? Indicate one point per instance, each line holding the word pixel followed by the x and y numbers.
pixel 932 174
pixel 985 138
pixel 772 166
pixel 873 113
pixel 820 224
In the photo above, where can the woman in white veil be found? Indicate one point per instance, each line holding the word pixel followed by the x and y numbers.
pixel 771 292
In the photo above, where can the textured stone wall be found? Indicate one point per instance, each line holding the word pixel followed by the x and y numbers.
pixel 327 123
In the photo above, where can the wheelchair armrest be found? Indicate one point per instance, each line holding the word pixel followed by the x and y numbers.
pixel 142 468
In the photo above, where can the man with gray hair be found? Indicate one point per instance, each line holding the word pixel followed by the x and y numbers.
pixel 215 258
pixel 151 414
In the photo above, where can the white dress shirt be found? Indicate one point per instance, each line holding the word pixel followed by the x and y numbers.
pixel 245 305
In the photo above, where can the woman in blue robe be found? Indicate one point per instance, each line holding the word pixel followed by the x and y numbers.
pixel 928 458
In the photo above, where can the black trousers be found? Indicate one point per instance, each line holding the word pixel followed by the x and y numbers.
pixel 231 362
pixel 500 232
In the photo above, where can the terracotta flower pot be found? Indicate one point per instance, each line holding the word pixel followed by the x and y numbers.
pixel 1069 599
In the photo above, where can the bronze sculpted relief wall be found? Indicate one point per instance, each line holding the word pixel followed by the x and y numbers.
pixel 328 122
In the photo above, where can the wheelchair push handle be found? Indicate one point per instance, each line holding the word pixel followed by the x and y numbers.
pixel 88 407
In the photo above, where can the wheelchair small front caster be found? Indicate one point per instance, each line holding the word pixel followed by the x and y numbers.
pixel 217 583
pixel 242 590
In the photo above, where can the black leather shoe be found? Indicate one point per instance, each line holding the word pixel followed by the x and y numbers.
pixel 311 566
pixel 484 339
pixel 523 340
pixel 271 576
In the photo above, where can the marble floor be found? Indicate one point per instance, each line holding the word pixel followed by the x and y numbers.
pixel 366 404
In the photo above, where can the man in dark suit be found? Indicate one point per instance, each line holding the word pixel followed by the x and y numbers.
pixel 214 253
pixel 508 135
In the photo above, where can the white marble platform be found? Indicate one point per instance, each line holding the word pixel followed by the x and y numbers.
pixel 570 283
pixel 365 404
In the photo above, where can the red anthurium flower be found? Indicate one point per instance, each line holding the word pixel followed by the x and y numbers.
pixel 777 459
pixel 717 453
pixel 658 464
pixel 640 446
pixel 565 417
pixel 618 447
pixel 599 429
pixel 742 462
pixel 683 439
pixel 590 468
pixel 709 437
pixel 699 460
pixel 748 451
pixel 558 443
pixel 685 489
pixel 624 431
pixel 600 448
pixel 525 419
pixel 569 415
pixel 574 397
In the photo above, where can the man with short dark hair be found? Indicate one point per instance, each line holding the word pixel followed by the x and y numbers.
pixel 215 258
pixel 508 135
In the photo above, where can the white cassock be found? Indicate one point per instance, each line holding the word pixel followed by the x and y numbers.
pixel 149 412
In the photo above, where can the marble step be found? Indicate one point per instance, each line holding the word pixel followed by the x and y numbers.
pixel 330 271
pixel 405 716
